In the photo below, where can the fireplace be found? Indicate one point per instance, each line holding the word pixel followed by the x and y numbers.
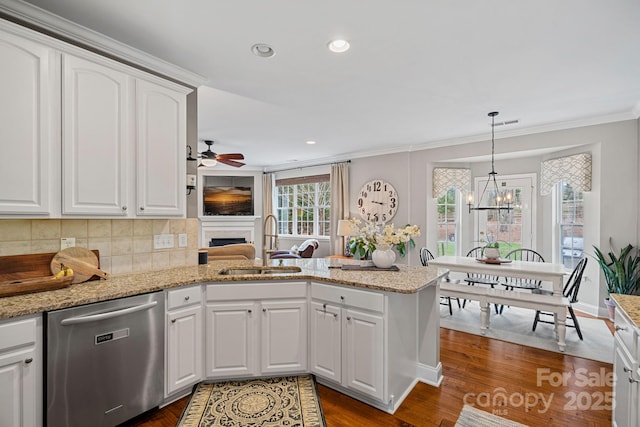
pixel 226 230
pixel 226 241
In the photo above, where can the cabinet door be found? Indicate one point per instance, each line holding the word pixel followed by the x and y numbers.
pixel 184 348
pixel 284 336
pixel 625 393
pixel 18 388
pixel 231 334
pixel 363 352
pixel 94 138
pixel 161 147
pixel 27 107
pixel 325 341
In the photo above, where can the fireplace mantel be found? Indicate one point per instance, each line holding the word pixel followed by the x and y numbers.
pixel 228 226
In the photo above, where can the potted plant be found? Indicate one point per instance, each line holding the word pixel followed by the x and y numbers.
pixel 491 250
pixel 621 272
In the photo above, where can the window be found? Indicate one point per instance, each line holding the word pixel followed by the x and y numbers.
pixel 570 217
pixel 303 206
pixel 447 223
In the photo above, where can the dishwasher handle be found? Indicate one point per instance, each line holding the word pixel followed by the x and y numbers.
pixel 107 315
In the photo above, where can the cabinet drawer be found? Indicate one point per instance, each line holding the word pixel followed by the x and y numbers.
pixel 625 332
pixel 15 333
pixel 183 297
pixel 256 291
pixel 368 300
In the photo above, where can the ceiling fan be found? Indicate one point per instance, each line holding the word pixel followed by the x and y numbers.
pixel 209 158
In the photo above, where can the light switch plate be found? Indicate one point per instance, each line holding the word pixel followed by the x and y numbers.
pixel 162 241
pixel 182 240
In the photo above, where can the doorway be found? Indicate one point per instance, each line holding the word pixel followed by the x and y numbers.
pixel 513 228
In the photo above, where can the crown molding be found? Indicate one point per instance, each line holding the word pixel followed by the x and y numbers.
pixel 47 21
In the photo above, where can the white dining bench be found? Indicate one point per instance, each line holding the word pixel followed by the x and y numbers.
pixel 486 296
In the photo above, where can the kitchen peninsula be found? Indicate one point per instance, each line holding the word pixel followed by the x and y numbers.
pixel 369 334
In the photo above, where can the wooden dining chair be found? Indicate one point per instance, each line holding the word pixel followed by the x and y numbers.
pixel 425 257
pixel 570 291
pixel 478 278
pixel 523 254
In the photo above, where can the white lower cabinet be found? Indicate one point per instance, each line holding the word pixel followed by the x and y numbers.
pixel 283 339
pixel 21 371
pixel 626 375
pixel 363 352
pixel 347 338
pixel 256 329
pixel 231 339
pixel 184 339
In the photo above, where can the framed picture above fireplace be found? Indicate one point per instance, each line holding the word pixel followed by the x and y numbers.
pixel 228 196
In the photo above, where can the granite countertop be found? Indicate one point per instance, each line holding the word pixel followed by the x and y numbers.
pixel 630 304
pixel 409 279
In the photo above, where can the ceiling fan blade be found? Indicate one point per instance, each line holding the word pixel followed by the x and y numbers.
pixel 231 162
pixel 232 156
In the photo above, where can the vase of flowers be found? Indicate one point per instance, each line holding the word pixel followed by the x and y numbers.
pixel 367 237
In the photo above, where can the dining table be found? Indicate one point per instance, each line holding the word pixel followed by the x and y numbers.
pixel 543 271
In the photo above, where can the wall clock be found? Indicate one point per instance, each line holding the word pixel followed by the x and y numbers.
pixel 377 201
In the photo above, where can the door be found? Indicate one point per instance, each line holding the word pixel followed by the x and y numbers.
pixel 18 388
pixel 513 228
pixel 184 348
pixel 363 352
pixel 325 341
pixel 161 147
pixel 284 336
pixel 231 339
pixel 27 107
pixel 95 138
pixel 624 392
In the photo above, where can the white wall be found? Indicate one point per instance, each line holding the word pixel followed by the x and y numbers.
pixel 611 207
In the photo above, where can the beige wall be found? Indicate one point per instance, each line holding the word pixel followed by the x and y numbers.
pixel 125 245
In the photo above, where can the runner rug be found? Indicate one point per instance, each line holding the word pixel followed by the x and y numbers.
pixel 287 401
pixel 472 417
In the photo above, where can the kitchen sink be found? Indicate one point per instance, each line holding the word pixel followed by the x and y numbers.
pixel 280 269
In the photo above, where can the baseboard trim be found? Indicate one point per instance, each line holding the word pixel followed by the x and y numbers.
pixel 430 375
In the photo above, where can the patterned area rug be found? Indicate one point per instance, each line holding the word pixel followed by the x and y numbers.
pixel 472 417
pixel 281 401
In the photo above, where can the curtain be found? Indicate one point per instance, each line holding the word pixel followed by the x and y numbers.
pixel 574 170
pixel 446 178
pixel 267 202
pixel 339 183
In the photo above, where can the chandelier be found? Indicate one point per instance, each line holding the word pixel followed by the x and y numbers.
pixel 500 202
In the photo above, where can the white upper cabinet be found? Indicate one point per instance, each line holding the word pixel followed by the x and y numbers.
pixel 85 135
pixel 95 138
pixel 161 117
pixel 28 105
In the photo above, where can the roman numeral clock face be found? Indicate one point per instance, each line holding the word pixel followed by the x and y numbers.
pixel 377 201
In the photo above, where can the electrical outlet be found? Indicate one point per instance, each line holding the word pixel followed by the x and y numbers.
pixel 67 242
pixel 182 240
pixel 163 241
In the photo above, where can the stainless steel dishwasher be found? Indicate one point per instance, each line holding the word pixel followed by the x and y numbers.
pixel 104 361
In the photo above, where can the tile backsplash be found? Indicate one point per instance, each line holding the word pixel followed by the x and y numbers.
pixel 125 245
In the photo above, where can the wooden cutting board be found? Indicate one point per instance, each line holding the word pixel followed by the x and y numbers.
pixel 10 288
pixel 82 261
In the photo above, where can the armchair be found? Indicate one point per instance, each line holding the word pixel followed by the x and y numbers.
pixel 305 250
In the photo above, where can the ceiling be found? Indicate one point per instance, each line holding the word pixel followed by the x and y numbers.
pixel 419 73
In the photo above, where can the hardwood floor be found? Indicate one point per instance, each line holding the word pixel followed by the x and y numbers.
pixel 520 383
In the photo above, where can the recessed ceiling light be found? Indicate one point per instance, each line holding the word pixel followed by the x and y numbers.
pixel 263 50
pixel 311 142
pixel 339 46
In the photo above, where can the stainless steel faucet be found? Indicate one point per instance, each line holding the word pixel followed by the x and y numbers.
pixel 273 238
